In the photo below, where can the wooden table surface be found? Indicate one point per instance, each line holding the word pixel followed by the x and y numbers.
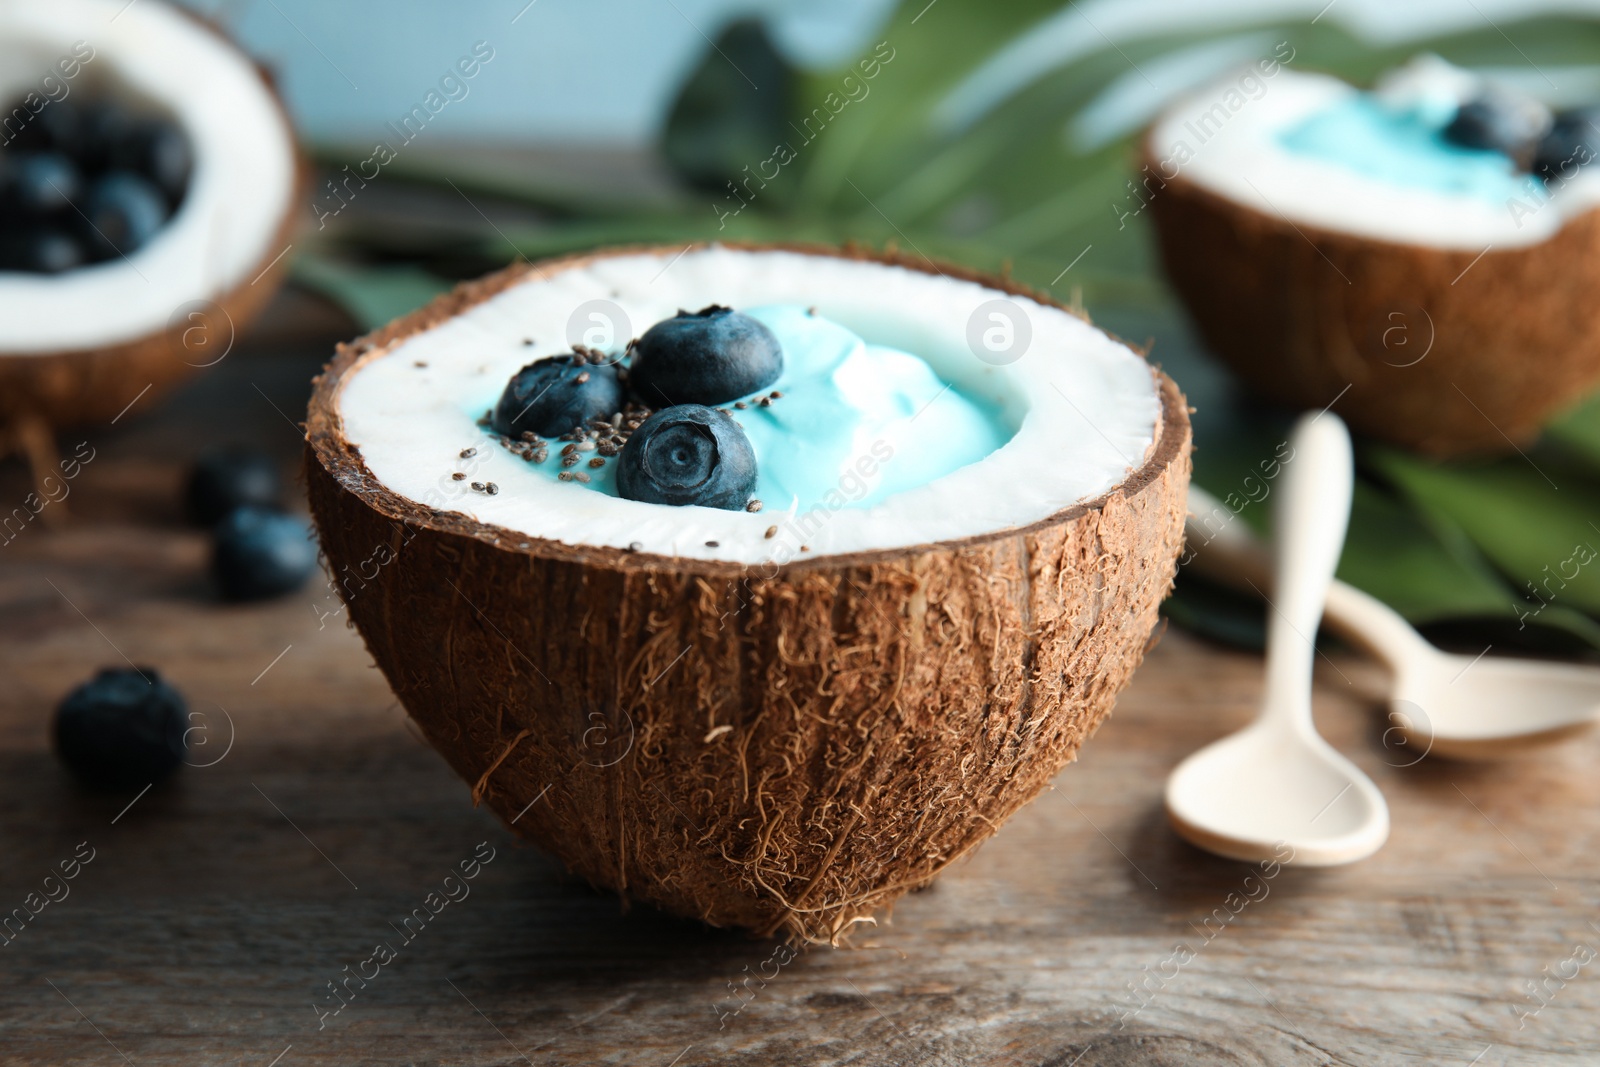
pixel 218 908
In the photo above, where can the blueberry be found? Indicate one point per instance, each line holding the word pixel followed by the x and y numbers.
pixel 42 183
pixel 1573 142
pixel 555 395
pixel 688 454
pixel 56 125
pixel 159 151
pixel 103 126
pixel 1498 121
pixel 710 356
pixel 122 729
pixel 260 552
pixel 124 212
pixel 228 477
pixel 42 251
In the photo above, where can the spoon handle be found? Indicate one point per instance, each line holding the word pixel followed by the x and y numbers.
pixel 1312 513
pixel 1226 549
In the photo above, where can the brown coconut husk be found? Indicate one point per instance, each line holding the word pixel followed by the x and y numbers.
pixel 41 392
pixel 1436 350
pixel 786 751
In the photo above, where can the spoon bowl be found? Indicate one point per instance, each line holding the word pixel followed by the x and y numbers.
pixel 1484 708
pixel 1277 784
pixel 1252 793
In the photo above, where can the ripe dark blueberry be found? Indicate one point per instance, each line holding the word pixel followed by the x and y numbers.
pixel 259 553
pixel 42 183
pixel 1501 122
pixel 55 126
pixel 552 396
pixel 103 126
pixel 688 454
pixel 710 356
pixel 124 211
pixel 229 477
pixel 122 729
pixel 1573 142
pixel 158 150
pixel 42 251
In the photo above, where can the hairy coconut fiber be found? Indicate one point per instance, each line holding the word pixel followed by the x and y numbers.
pixel 1434 349
pixel 784 750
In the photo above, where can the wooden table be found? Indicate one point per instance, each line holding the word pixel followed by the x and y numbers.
pixel 218 907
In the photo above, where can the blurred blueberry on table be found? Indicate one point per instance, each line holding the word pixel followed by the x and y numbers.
pixel 230 476
pixel 259 553
pixel 122 729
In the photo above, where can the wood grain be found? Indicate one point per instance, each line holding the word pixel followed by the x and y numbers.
pixel 219 905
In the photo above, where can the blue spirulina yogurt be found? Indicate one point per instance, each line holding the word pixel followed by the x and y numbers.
pixel 892 429
pixel 1403 144
pixel 846 421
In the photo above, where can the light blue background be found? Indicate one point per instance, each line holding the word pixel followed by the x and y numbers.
pixel 602 72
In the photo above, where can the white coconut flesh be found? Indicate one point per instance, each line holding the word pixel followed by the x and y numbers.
pixel 226 230
pixel 1227 139
pixel 1083 408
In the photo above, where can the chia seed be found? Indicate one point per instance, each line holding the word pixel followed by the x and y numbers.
pixel 772 531
pixel 597 462
pixel 458 477
pixel 753 506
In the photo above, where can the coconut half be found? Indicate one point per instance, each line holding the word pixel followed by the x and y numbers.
pixel 80 347
pixel 684 705
pixel 1443 321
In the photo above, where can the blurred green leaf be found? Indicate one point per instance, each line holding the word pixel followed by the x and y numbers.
pixel 1537 521
pixel 370 295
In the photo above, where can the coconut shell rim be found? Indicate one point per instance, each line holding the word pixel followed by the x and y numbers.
pixel 1311 230
pixel 325 440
